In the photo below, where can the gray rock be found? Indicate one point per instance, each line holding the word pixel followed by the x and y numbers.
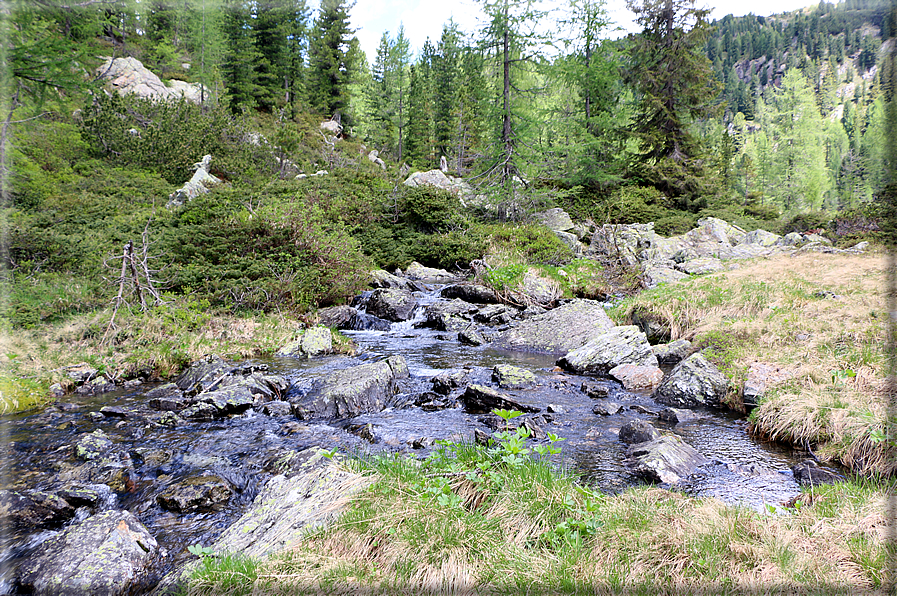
pixel 634 376
pixel 638 431
pixel 556 220
pixel 512 377
pixel 228 400
pixel 201 374
pixel 196 494
pixel 80 373
pixel 694 382
pixel 391 304
pixel 166 390
pixel 478 399
pixel 667 459
pixel 173 403
pixel 109 553
pixel 558 331
pixel 149 456
pixel 475 293
pixel 761 237
pixel 673 352
pixel 572 242
pixel 277 408
pixel 701 266
pixel 312 342
pixel 471 337
pixel 791 239
pixel 92 446
pixel 361 321
pixel 337 317
pixel 438 313
pixel 654 276
pixel 200 411
pixel 353 391
pixel 606 408
pixel 418 272
pixel 444 383
pixel 198 184
pixel 495 314
pixel 25 510
pixel 676 415
pixel 654 326
pixel 128 76
pixel 385 279
pixel 620 345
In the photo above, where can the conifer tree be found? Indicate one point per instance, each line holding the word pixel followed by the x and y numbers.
pixel 330 73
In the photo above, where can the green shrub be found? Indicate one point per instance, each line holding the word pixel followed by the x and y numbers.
pixel 804 222
pixel 535 244
pixel 673 225
pixel 455 249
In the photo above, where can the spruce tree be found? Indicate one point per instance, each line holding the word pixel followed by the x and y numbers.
pixel 330 74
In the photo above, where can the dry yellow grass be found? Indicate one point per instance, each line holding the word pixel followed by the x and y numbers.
pixel 820 317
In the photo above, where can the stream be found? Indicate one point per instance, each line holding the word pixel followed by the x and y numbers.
pixel 245 450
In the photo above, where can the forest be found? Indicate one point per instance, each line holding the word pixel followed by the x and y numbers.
pixel 768 122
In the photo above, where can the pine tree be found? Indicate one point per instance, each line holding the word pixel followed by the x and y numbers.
pixel 330 73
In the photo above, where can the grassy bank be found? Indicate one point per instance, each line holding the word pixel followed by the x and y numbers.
pixel 472 521
pixel 155 344
pixel 822 320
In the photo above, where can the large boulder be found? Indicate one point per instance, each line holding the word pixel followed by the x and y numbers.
pixel 315 341
pixel 109 553
pixel 128 76
pixel 667 459
pixel 693 382
pixel 392 304
pixel 352 391
pixel 635 376
pixel 761 237
pixel 385 279
pixel 673 352
pixel 512 377
pixel 337 317
pixel 638 431
pixel 470 293
pixel 437 312
pixel 438 179
pixel 619 345
pixel 418 272
pixel 558 331
pixel 556 220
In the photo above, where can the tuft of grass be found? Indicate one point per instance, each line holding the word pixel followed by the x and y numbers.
pixel 21 395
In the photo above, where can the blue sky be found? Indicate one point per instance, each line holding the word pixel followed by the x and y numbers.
pixel 424 18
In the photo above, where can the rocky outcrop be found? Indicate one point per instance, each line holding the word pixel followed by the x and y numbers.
pixel 438 179
pixel 385 279
pixel 392 304
pixel 478 399
pixel 558 331
pixel 289 507
pixel 203 373
pixel 128 76
pixel 198 184
pixel 668 459
pixel 619 345
pixel 693 382
pixel 337 317
pixel 312 342
pixel 352 391
pixel 109 553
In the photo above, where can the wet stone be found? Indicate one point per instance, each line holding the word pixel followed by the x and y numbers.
pixel 149 456
pixel 809 473
pixel 470 293
pixel 167 390
pixel 200 493
pixel 109 553
pixel 512 377
pixel 667 459
pixel 608 408
pixel 114 412
pixel 172 403
pixel 32 509
pixel 277 408
pixel 638 431
pixel 445 382
pixel 80 496
pixel 480 399
pixel 676 415
pixel 93 445
pixel 471 337
pixel 595 390
pixel 673 352
pixel 201 411
pixel 555 409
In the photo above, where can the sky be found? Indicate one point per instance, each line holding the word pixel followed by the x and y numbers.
pixel 425 18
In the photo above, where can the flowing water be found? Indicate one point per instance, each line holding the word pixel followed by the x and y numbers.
pixel 247 449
